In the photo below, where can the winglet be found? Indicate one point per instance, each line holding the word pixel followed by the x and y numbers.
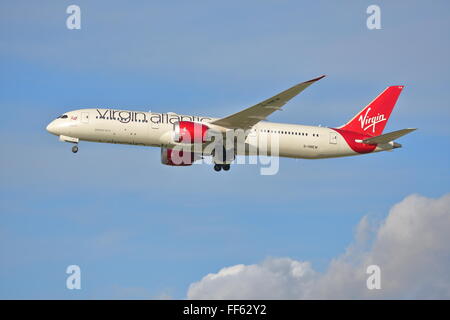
pixel 316 79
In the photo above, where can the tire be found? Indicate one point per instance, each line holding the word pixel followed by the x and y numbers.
pixel 75 149
pixel 217 167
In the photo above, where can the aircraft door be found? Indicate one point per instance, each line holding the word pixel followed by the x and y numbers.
pixel 333 137
pixel 85 117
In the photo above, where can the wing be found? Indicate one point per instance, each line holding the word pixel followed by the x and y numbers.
pixel 387 137
pixel 249 117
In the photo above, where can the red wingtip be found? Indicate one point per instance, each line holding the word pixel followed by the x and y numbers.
pixel 316 79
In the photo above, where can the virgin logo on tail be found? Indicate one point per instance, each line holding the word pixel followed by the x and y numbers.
pixel 370 122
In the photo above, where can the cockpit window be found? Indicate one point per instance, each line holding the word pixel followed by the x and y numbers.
pixel 64 116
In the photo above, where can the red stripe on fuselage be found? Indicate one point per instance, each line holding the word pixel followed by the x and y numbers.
pixel 351 136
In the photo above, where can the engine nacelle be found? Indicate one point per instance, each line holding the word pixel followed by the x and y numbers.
pixel 190 132
pixel 175 157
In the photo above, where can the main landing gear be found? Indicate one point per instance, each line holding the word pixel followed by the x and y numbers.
pixel 218 167
pixel 222 160
pixel 75 149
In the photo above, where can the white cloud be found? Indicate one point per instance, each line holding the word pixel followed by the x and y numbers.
pixel 411 246
pixel 277 278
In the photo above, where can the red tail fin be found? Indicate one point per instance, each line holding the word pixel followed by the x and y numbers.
pixel 373 118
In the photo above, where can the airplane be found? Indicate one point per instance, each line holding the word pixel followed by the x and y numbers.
pixel 170 131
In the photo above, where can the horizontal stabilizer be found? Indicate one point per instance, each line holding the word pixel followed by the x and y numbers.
pixel 388 137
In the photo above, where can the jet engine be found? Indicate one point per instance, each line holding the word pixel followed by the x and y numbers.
pixel 176 157
pixel 189 132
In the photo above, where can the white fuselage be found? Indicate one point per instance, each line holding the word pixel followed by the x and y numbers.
pixel 156 130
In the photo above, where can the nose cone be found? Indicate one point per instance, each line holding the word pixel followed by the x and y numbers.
pixel 51 128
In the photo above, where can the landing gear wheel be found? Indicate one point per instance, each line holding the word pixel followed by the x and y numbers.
pixel 75 149
pixel 217 167
pixel 226 167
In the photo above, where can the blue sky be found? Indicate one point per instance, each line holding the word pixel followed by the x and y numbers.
pixel 139 229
